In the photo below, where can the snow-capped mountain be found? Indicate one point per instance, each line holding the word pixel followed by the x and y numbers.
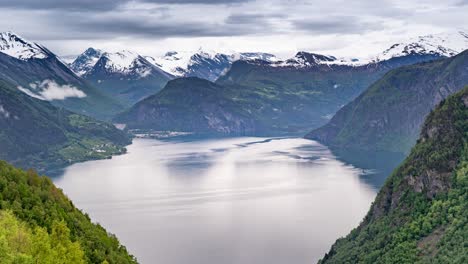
pixel 86 61
pixel 126 75
pixel 203 64
pixel 125 63
pixel 437 45
pixel 20 48
pixel 308 59
pixel 39 73
pixel 444 44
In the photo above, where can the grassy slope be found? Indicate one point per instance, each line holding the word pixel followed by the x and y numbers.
pixel 420 215
pixel 36 134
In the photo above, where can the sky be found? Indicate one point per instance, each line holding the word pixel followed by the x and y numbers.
pixel 282 27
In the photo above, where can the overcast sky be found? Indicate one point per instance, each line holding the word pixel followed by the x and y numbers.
pixel 152 27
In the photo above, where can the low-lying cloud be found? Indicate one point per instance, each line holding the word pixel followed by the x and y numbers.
pixel 3 112
pixel 49 90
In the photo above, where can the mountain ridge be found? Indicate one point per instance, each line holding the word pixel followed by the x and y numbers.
pixel 388 115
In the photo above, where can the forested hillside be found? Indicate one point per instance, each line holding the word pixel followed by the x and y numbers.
pixel 39 224
pixel 420 215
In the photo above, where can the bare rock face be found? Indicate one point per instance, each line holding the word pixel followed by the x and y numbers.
pixel 430 182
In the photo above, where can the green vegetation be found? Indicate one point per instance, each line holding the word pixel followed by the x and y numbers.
pixel 420 214
pixel 39 224
pixel 21 244
pixel 388 116
pixel 37 134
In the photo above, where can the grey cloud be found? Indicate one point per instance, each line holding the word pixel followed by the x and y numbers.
pixel 98 5
pixel 252 18
pixel 160 30
pixel 336 25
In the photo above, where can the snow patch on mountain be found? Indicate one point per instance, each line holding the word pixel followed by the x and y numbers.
pixel 15 46
pixel 49 90
pixel 121 61
pixel 178 63
pixel 444 44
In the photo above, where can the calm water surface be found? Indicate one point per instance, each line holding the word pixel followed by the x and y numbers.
pixel 235 200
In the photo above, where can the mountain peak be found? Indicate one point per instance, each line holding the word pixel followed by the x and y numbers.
pixel 15 46
pixel 308 58
pixel 86 61
pixel 92 52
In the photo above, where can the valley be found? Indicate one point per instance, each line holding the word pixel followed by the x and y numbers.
pixel 156 154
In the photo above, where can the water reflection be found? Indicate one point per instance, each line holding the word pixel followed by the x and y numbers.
pixel 228 200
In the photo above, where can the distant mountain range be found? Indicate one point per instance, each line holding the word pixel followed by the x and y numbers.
pixel 294 95
pixel 388 115
pixel 203 64
pixel 262 99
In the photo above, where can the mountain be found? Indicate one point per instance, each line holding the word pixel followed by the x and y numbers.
pixel 305 91
pixel 445 44
pixel 388 115
pixel 190 104
pixel 39 224
pixel 34 133
pixel 203 64
pixel 41 74
pixel 279 96
pixel 84 62
pixel 419 215
pixel 123 75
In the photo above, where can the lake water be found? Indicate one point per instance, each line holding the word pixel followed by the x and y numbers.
pixel 230 200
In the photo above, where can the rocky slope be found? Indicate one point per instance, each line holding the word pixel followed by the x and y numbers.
pixel 419 216
pixel 36 134
pixel 388 115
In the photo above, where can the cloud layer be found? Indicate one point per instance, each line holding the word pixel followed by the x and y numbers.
pixel 240 24
pixel 49 90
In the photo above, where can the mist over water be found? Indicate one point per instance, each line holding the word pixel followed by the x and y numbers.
pixel 231 200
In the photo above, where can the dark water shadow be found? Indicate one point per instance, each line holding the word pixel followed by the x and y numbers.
pixel 377 166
